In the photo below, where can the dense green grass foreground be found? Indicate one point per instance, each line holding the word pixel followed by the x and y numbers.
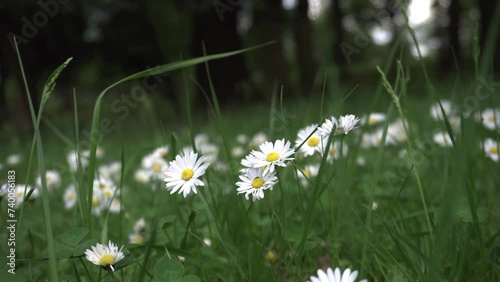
pixel 409 195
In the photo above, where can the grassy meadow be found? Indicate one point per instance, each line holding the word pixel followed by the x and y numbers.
pixel 409 194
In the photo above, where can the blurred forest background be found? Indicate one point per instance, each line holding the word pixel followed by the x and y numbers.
pixel 337 40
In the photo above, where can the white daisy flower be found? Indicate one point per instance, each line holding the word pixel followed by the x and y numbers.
pixel 161 151
pixel 70 197
pixel 310 144
pixel 336 276
pixel 105 255
pixel 436 113
pixel 442 139
pixel 207 242
pixel 13 160
pixel 491 149
pixel 237 152
pixel 258 139
pixel 183 173
pixel 373 119
pixel 115 206
pixel 155 165
pixel 490 118
pixel 53 180
pixel 210 152
pixel 200 140
pixel 135 238
pixel 308 172
pixel 270 155
pixel 112 171
pixel 142 176
pixel 254 181
pixel 334 150
pixel 23 190
pixel 140 225
pixel 396 132
pixel 342 126
pixel 99 203
pixel 72 159
pixel 242 139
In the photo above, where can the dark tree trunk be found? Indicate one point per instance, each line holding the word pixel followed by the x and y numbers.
pixel 338 37
pixel 269 24
pixel 304 41
pixel 451 39
pixel 487 9
pixel 219 35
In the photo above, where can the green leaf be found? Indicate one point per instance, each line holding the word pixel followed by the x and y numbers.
pixel 82 247
pixel 74 236
pixel 168 270
pixel 190 278
pixel 166 222
pixel 61 251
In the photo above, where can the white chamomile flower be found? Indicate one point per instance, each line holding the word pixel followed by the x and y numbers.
pixel 115 206
pixel 22 191
pixel 135 238
pixel 53 180
pixel 142 176
pixel 335 276
pixel 69 197
pixel 270 155
pixel 154 165
pixel 258 139
pixel 13 160
pixel 200 140
pixel 74 157
pixel 237 152
pixel 140 225
pixel 490 118
pixel 436 113
pixel 491 149
pixel 254 181
pixel 342 126
pixel 112 171
pixel 374 118
pixel 310 144
pixel 105 255
pixel 442 139
pixel 308 172
pixel 242 139
pixel 183 173
pixel 334 150
pixel 161 151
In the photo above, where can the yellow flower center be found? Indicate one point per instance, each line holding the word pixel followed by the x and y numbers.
pixel 332 150
pixel 494 150
pixel 271 157
pixel 156 167
pixel 491 118
pixel 187 174
pixel 102 185
pixel 307 172
pixel 106 260
pixel 271 256
pixel 95 202
pixel 257 182
pixel 138 239
pixel 71 196
pixel 20 194
pixel 49 178
pixel 108 193
pixel 313 141
pixel 372 120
